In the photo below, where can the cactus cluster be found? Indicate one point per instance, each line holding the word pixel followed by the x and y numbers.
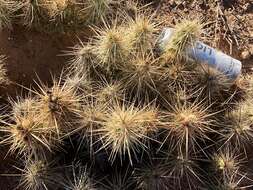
pixel 127 114
pixel 8 9
pixel 60 15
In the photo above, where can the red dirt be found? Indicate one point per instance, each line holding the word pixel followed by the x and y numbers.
pixel 32 55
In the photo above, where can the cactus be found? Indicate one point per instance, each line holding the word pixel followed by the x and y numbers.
pixel 141 75
pixel 7 10
pixel 91 116
pixel 178 75
pixel 235 181
pixel 140 33
pixel 37 175
pixel 124 128
pixel 238 126
pixel 186 123
pixel 153 175
pixel 30 12
pixel 58 105
pixel 226 162
pixel 120 180
pixel 25 133
pixel 95 11
pixel 56 8
pixel 83 58
pixel 183 171
pixel 185 35
pixel 110 47
pixel 110 92
pixel 215 86
pixel 78 179
pixel 244 86
pixel 80 82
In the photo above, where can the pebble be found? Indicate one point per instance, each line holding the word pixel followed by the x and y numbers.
pixel 251 49
pixel 245 54
pixel 251 34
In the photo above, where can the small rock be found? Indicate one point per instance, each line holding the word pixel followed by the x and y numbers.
pixel 245 54
pixel 251 49
pixel 248 6
pixel 251 34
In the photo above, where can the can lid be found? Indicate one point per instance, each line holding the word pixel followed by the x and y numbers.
pixel 164 37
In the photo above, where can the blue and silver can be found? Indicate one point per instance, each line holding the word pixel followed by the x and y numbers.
pixel 205 54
